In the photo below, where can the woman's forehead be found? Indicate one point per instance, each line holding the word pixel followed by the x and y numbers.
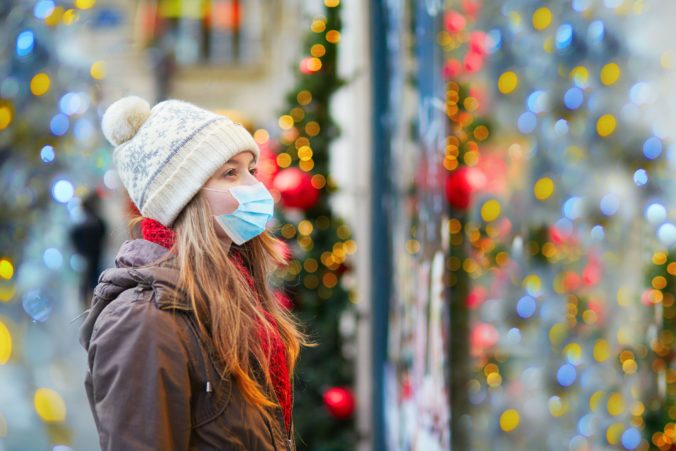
pixel 246 157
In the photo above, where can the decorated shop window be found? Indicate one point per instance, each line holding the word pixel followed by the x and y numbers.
pixel 228 32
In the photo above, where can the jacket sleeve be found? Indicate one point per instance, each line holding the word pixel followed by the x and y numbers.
pixel 139 380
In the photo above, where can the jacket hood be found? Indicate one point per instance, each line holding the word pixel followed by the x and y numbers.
pixel 135 267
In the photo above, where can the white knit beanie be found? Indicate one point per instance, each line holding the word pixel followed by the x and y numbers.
pixel 164 155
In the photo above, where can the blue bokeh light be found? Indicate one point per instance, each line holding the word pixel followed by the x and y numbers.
pixel 667 234
pixel 596 31
pixel 526 307
pixel 47 154
pixel 572 208
pixel 652 148
pixel 564 36
pixel 598 233
pixel 640 177
pixel 566 375
pixel 537 102
pixel 573 98
pixel 527 122
pixel 656 213
pixel 610 204
pixel 494 41
pixel 43 9
pixel 63 191
pixel 25 42
pixel 52 258
pixel 59 124
pixel 37 306
pixel 631 438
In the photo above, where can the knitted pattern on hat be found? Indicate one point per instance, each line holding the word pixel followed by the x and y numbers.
pixel 164 155
pixel 279 371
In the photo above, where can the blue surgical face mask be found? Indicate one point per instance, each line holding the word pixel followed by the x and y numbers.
pixel 255 209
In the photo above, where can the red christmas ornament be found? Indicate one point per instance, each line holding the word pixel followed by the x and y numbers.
pixel 340 402
pixel 476 297
pixel 454 21
pixel 296 189
pixel 471 7
pixel 452 69
pixel 482 337
pixel 473 62
pixel 461 184
pixel 478 43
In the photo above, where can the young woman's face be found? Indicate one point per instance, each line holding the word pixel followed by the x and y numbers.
pixel 239 170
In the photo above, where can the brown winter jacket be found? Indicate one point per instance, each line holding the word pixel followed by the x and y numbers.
pixel 152 383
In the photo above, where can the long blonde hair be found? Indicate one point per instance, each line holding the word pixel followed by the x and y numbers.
pixel 224 305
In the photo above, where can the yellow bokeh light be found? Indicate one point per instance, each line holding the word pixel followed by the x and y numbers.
pixel 318 181
pixel 557 406
pixel 542 18
pixel 49 405
pixel 318 50
pixel 509 420
pixel 7 293
pixel 285 122
pixel 6 116
pixel 55 17
pixel 615 404
pixel 659 258
pixel 610 73
pixel 331 3
pixel 606 124
pixel 40 84
pixel 305 227
pixel 580 75
pixel 508 82
pixel 314 64
pixel 601 350
pixel 261 136
pixel 98 70
pixel 494 380
pixel 306 165
pixel 318 25
pixel 6 269
pixel 333 36
pixel 573 352
pixel 305 153
pixel 614 433
pixel 283 160
pixel 84 4
pixel 556 333
pixel 594 400
pixel 312 128
pixel 70 17
pixel 490 211
pixel 5 344
pixel 304 97
pixel 629 366
pixel 544 188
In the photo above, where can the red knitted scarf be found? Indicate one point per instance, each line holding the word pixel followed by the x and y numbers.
pixel 279 371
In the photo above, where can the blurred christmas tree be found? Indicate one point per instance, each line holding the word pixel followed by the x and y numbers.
pixel 563 326
pixel 50 157
pixel 297 171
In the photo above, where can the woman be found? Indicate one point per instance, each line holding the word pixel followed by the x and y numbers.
pixel 188 348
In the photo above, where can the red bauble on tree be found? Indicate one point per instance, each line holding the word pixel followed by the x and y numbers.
pixel 296 189
pixel 340 402
pixel 461 184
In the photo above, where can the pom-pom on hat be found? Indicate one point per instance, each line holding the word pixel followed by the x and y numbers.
pixel 164 155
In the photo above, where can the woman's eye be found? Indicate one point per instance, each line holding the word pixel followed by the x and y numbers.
pixel 253 171
pixel 230 173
